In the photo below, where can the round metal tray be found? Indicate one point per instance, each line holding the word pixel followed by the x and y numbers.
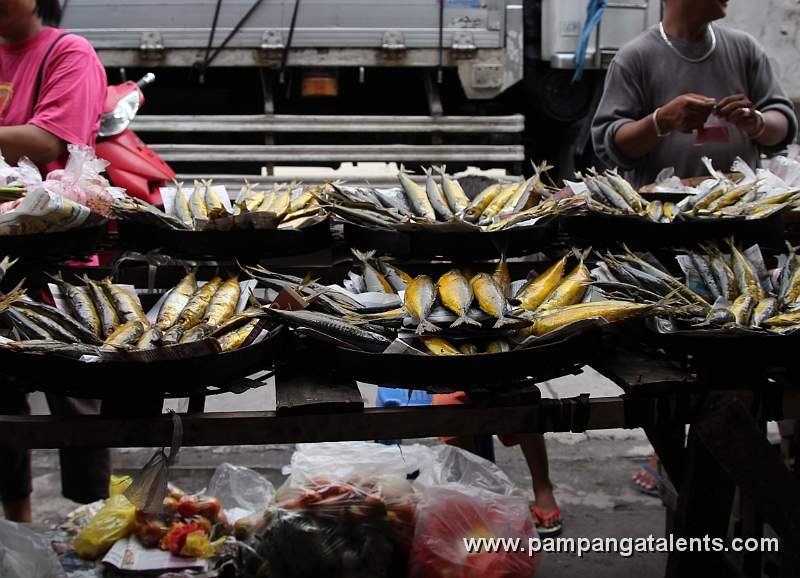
pixel 452 245
pixel 608 230
pixel 484 372
pixel 62 245
pixel 203 374
pixel 244 244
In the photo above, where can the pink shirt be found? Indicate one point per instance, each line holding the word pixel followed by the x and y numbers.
pixel 72 92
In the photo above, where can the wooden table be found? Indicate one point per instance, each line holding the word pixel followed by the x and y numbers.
pixel 726 445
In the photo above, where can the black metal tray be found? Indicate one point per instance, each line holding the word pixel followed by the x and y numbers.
pixel 74 243
pixel 452 245
pixel 242 244
pixel 119 380
pixel 713 349
pixel 598 229
pixel 482 372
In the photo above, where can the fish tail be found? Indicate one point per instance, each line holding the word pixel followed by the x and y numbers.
pixel 426 326
pixel 464 319
pixel 503 321
pixel 439 169
pixel 363 257
pixel 427 171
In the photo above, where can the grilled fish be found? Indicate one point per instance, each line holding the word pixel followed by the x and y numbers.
pixel 81 305
pixel 223 304
pixel 373 278
pixel 176 301
pixel 479 204
pixel 439 346
pixel 490 298
pixel 455 195
pixel 456 294
pixel 126 334
pixel 127 306
pixel 419 299
pixel 417 196
pixel 109 319
pixel 534 292
pixel 436 197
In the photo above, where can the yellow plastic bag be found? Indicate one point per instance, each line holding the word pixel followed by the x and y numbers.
pixel 118 484
pixel 113 522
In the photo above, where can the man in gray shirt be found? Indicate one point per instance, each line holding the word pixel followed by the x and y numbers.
pixel 667 82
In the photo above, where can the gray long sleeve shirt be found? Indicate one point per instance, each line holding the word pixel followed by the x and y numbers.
pixel 646 74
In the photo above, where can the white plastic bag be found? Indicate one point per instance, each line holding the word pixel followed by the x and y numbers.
pixel 25 554
pixel 452 465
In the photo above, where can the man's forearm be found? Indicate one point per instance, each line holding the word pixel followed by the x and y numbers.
pixel 636 139
pixel 776 128
pixel 30 141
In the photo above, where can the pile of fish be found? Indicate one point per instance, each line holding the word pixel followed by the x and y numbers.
pixel 723 288
pixel 101 315
pixel 718 197
pixel 443 203
pixel 461 312
pixel 208 207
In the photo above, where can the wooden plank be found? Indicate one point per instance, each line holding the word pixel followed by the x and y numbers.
pixel 266 427
pixel 640 373
pixel 302 397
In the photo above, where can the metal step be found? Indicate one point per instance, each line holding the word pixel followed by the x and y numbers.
pixel 324 154
pixel 289 123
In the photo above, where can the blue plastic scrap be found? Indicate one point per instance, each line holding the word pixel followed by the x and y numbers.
pixel 594 13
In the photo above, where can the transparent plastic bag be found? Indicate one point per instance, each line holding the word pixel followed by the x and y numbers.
pixel 452 465
pixel 114 521
pixel 450 515
pixel 346 510
pixel 25 554
pixel 243 493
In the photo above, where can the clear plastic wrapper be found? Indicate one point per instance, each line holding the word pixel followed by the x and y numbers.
pixel 25 554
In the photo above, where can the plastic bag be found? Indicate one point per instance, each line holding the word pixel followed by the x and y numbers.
pixel 25 554
pixel 118 484
pixel 450 515
pixel 715 130
pixel 243 493
pixel 452 465
pixel 80 180
pixel 114 521
pixel 149 487
pixel 347 509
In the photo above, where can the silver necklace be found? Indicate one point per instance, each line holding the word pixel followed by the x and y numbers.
pixel 678 52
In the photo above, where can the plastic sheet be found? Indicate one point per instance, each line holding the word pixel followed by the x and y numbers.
pixel 25 554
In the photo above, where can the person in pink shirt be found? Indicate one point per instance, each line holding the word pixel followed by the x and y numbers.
pixel 52 90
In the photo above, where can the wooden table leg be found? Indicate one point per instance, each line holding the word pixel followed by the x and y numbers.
pixel 744 452
pixel 704 506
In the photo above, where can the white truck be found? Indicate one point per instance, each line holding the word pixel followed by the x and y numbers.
pixel 459 81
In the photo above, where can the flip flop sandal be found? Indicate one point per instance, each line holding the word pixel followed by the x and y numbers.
pixel 542 519
pixel 656 475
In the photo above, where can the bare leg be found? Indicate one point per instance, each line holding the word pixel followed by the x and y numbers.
pixel 535 451
pixel 18 510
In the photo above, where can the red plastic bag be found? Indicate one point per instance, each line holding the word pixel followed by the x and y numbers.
pixel 450 515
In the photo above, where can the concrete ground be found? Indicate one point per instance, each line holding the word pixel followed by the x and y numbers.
pixel 591 473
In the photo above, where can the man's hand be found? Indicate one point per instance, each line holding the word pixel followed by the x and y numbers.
pixel 686 113
pixel 737 109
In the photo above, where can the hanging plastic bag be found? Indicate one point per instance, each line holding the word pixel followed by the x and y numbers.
pixel 114 521
pixel 149 487
pixel 451 521
pixel 25 554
